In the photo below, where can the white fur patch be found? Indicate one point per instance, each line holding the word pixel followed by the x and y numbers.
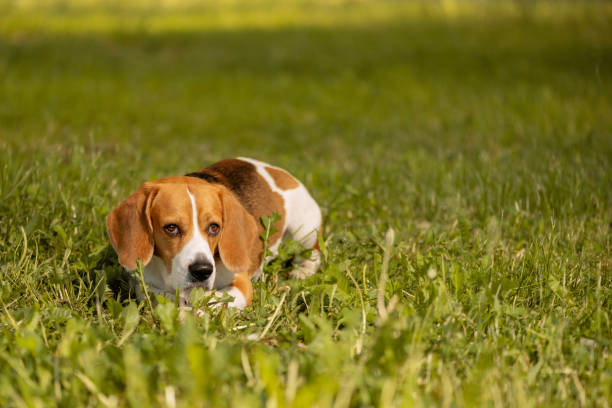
pixel 155 274
pixel 197 247
pixel 239 300
pixel 302 214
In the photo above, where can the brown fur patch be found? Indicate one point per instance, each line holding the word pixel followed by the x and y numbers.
pixel 171 206
pixel 239 235
pixel 243 283
pixel 265 208
pixel 282 179
pixel 253 192
pixel 130 230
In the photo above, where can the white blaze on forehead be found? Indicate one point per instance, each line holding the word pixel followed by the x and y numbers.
pixel 196 249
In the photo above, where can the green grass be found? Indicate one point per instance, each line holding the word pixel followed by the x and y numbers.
pixel 480 134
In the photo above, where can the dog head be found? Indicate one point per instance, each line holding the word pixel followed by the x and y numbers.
pixel 185 222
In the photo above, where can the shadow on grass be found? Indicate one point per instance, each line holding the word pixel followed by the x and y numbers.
pixel 414 79
pixel 454 50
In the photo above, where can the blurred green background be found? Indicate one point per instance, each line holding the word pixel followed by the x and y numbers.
pixel 479 131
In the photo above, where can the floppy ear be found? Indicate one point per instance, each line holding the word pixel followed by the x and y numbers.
pixel 130 228
pixel 239 235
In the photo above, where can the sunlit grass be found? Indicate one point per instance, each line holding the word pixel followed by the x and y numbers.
pixel 61 16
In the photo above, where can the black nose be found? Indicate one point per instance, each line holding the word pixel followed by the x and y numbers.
pixel 200 271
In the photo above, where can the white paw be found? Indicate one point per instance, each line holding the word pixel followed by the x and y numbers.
pixel 239 301
pixel 307 267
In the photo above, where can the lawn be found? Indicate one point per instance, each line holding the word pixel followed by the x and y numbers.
pixel 461 153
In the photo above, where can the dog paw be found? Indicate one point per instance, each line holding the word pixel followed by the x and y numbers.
pixel 307 267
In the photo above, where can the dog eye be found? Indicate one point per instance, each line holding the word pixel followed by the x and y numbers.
pixel 172 230
pixel 213 229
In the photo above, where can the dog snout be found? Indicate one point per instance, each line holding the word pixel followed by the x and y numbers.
pixel 200 270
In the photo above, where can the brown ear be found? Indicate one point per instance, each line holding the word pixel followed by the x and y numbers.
pixel 239 235
pixel 130 228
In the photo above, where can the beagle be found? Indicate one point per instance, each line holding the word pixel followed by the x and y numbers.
pixel 203 229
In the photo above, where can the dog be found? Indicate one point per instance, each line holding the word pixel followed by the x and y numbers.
pixel 204 229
